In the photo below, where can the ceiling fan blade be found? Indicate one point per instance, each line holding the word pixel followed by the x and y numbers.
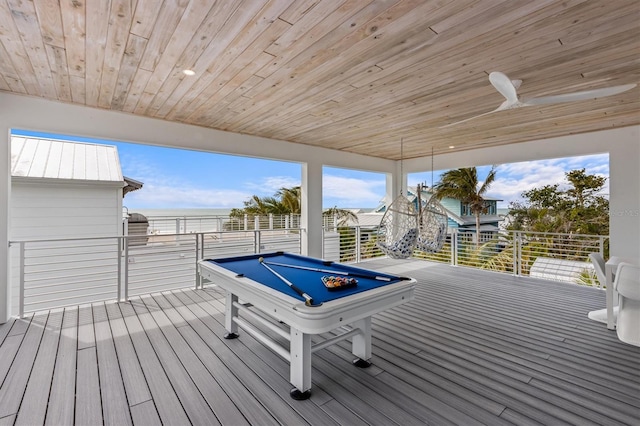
pixel 471 118
pixel 579 96
pixel 505 86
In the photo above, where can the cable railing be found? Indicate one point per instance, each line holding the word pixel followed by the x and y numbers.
pixel 54 273
pixel 214 223
pixel 550 256
pixel 48 274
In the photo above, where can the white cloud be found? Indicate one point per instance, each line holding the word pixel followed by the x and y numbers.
pixel 270 185
pixel 162 189
pixel 351 192
pixel 515 178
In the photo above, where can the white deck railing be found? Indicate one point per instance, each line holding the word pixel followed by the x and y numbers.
pixel 216 223
pixel 551 256
pixel 62 272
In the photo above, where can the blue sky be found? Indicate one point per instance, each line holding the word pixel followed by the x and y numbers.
pixel 176 178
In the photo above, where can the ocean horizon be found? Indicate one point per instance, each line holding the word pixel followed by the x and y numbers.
pixel 186 212
pixel 180 212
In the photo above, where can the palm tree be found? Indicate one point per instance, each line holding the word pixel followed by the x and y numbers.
pixel 342 216
pixel 290 199
pixel 462 184
pixel 287 201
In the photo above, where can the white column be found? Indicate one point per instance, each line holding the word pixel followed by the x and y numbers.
pixel 5 192
pixel 311 206
pixel 624 195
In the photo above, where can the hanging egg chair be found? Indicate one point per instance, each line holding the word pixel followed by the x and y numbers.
pixel 432 226
pixel 398 230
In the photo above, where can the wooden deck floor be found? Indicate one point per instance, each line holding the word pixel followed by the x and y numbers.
pixel 472 348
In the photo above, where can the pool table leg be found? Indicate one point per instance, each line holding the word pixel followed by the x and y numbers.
pixel 231 312
pixel 300 374
pixel 361 343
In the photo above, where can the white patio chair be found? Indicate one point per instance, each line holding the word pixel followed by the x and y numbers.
pixel 627 283
pixel 600 315
pixel 598 265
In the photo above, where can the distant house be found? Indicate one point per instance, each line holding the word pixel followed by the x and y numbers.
pixel 459 214
pixel 62 189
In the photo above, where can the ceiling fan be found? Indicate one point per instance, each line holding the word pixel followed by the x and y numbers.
pixel 508 89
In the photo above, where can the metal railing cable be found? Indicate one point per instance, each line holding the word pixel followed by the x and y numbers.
pixel 53 273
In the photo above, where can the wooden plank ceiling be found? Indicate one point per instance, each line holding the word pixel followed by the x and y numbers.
pixel 353 75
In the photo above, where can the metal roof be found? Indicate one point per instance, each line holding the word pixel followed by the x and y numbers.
pixel 58 159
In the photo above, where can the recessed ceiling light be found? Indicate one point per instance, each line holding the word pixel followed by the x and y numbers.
pixel 188 72
pixel 451 146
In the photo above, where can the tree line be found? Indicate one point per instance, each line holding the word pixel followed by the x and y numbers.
pixel 575 207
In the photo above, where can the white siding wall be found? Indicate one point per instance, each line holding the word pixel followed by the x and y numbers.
pixel 52 209
pixel 40 211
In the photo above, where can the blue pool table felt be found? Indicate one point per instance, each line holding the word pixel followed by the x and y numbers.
pixel 308 281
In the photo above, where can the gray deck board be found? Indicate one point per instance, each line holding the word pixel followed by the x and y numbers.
pixel 225 411
pixel 60 410
pixel 8 352
pixel 6 328
pixel 88 409
pixel 115 407
pixel 240 396
pixel 34 402
pixel 8 420
pixel 145 414
pixel 472 348
pixel 15 382
pixel 135 383
pixel 167 402
pixel 191 399
pixel 20 326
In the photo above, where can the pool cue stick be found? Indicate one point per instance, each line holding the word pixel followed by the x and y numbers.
pixel 308 299
pixel 328 271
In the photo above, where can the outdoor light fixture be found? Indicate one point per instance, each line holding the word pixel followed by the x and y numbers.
pixel 188 72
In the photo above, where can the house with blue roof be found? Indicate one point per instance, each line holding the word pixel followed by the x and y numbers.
pixel 459 214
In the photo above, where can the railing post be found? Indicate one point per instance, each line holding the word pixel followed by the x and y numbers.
pixel 21 309
pixel 358 245
pixel 514 255
pixel 601 245
pixel 256 241
pixel 120 242
pixel 256 222
pixel 126 269
pixel 270 220
pixel 519 251
pixel 246 222
pixel 454 247
pixel 199 256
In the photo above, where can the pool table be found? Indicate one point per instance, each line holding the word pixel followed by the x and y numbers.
pixel 265 282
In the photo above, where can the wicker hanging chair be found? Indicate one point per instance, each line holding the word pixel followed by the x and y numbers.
pixel 398 230
pixel 432 226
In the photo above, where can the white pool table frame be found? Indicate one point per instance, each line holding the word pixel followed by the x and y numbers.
pixel 351 313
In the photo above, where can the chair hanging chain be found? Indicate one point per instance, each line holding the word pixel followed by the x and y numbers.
pixel 401 164
pixel 432 169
